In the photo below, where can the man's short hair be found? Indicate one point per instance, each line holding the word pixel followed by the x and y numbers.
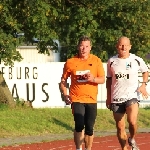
pixel 83 38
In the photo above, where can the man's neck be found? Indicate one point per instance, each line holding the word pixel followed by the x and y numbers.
pixel 84 58
pixel 124 57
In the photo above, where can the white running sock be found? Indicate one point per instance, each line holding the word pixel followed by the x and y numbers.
pixel 79 149
pixel 132 140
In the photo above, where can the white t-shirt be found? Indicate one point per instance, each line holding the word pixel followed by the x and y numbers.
pixel 124 73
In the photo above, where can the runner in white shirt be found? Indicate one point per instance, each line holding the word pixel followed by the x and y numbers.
pixel 123 89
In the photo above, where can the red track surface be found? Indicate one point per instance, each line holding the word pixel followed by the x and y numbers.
pixel 100 143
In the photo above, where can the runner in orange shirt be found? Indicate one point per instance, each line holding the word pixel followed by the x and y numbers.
pixel 86 72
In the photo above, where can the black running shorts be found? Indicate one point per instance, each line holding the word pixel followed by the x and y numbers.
pixel 84 116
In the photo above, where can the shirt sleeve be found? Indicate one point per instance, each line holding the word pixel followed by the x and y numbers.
pixel 142 65
pixel 66 71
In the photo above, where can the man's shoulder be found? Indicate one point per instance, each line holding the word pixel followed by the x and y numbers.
pixel 134 57
pixel 94 57
pixel 112 58
pixel 72 59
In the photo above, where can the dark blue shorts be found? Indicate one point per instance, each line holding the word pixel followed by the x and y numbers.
pixel 121 107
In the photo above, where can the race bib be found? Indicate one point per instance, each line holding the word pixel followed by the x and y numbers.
pixel 81 75
pixel 121 75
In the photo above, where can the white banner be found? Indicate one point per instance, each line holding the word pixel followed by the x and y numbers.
pixel 39 83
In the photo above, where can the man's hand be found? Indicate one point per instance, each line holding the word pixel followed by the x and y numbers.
pixel 89 77
pixel 67 99
pixel 142 90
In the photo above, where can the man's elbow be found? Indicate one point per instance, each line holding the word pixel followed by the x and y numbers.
pixel 108 83
pixel 63 82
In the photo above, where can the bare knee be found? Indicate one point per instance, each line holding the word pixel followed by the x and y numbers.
pixel 132 122
pixel 120 126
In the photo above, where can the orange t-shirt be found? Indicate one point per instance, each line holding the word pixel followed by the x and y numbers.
pixel 81 90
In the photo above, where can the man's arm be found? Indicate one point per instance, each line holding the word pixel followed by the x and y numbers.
pixel 63 86
pixel 108 89
pixel 145 77
pixel 91 78
pixel 108 83
pixel 142 88
pixel 99 80
pixel 64 77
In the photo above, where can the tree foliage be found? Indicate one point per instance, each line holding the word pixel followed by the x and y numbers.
pixel 104 21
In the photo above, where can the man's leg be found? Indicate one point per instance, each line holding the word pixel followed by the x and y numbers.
pixel 78 139
pixel 90 116
pixel 88 141
pixel 132 114
pixel 121 133
pixel 78 110
pixel 119 117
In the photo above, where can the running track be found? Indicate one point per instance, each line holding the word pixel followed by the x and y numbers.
pixel 100 143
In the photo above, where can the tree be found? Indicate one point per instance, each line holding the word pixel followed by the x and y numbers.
pixel 33 18
pixel 105 21
pixel 5 95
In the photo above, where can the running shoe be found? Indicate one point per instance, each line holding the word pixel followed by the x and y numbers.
pixel 133 144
